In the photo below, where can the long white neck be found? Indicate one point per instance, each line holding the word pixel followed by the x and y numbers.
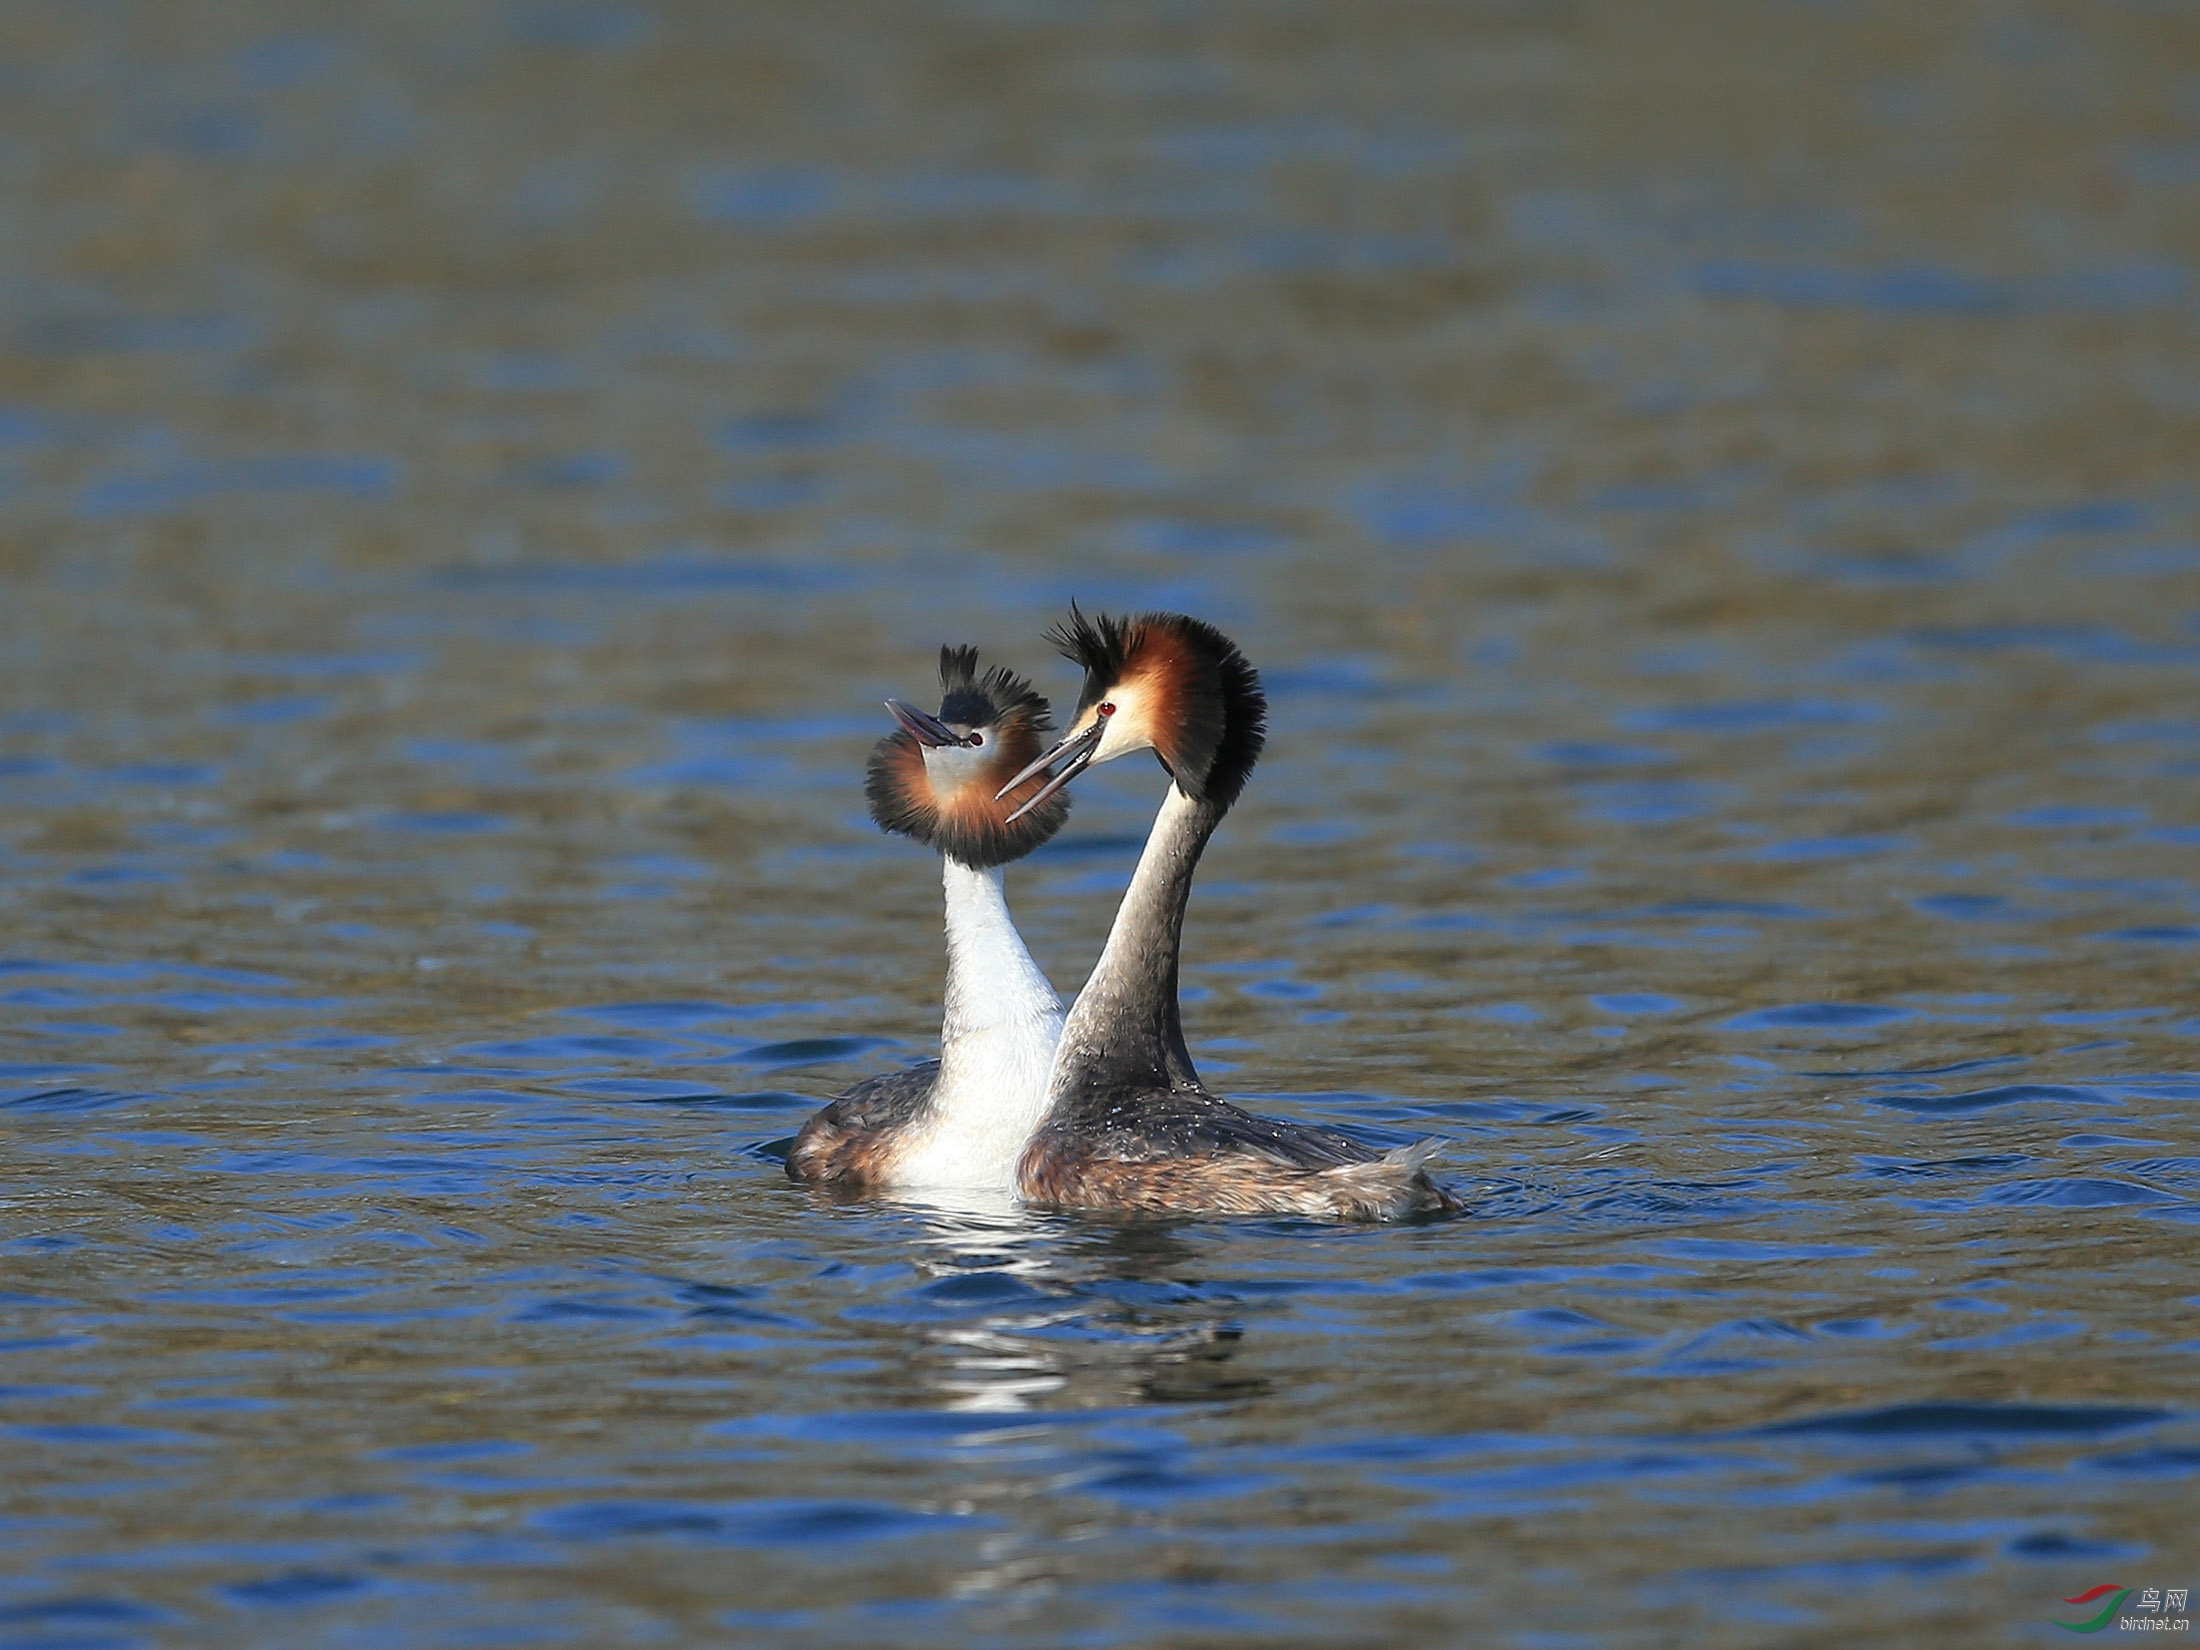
pixel 996 1044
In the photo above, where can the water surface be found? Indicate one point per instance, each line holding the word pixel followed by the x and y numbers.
pixel 1712 499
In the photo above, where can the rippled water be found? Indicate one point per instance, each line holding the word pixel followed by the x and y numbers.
pixel 1711 490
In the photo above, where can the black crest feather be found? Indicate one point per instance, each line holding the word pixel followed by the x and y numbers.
pixel 1223 713
pixel 970 825
pixel 1100 646
pixel 975 700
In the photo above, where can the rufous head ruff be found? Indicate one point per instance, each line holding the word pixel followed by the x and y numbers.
pixel 944 796
pixel 1200 698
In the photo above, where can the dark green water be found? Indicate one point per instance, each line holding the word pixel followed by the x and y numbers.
pixel 1711 488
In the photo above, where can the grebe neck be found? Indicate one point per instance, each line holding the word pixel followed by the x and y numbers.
pixel 997 1042
pixel 1124 1031
pixel 991 979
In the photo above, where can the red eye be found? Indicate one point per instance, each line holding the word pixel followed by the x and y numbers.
pixel 977 739
pixel 1106 709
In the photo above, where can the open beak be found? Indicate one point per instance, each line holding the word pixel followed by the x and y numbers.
pixel 928 729
pixel 1075 755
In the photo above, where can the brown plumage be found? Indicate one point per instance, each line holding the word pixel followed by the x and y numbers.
pixel 854 1141
pixel 1200 696
pixel 1066 1170
pixel 950 804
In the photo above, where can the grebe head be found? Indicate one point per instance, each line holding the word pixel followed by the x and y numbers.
pixel 941 778
pixel 1162 682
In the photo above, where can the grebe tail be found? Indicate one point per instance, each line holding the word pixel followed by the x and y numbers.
pixel 961 1121
pixel 1129 1125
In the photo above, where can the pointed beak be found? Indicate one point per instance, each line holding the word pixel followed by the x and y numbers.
pixel 928 729
pixel 1074 753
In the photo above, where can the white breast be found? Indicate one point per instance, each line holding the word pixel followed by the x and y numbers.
pixel 997 1044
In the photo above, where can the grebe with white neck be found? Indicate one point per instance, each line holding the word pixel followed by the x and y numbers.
pixel 961 1122
pixel 1128 1125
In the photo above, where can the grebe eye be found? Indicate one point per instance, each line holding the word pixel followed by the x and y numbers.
pixel 1106 709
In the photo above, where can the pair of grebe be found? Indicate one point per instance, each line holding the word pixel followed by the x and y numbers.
pixel 1101 1109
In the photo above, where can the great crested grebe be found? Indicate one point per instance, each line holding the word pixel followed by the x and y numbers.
pixel 961 1121
pixel 1128 1124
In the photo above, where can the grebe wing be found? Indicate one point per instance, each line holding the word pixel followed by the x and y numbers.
pixel 1184 1151
pixel 845 1140
pixel 1179 1123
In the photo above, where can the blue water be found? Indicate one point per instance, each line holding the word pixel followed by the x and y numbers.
pixel 1711 502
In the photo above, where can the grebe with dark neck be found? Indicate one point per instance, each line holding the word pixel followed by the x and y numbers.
pixel 963 1121
pixel 1128 1124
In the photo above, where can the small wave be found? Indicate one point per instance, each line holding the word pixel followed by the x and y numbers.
pixel 1966 1420
pixel 2072 1194
pixel 66 1100
pixel 2009 1094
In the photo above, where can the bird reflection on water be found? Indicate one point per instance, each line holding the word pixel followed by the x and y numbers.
pixel 1056 1344
pixel 1091 1315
